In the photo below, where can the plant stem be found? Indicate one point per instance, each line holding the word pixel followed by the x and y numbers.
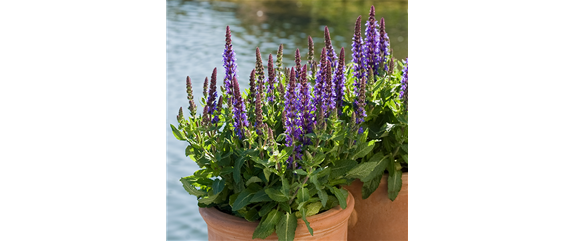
pixel 295 194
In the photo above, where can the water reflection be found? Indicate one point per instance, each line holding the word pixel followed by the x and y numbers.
pixel 195 40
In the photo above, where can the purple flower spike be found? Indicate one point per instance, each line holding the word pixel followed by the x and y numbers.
pixel 328 93
pixel 358 57
pixel 291 111
pixel 279 59
pixel 192 108
pixel 212 93
pixel 384 44
pixel 339 81
pixel 310 57
pixel 360 102
pixel 405 85
pixel 270 80
pixel 372 48
pixel 297 66
pixel 319 82
pixel 239 116
pixel 258 114
pixel 229 63
pixel 305 97
pixel 252 89
pixel 331 55
pixel 259 70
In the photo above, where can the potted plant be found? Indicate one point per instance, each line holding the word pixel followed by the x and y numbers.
pixel 273 158
pixel 381 188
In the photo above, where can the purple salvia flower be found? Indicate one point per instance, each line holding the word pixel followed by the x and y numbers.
pixel 259 71
pixel 258 114
pixel 270 80
pixel 305 97
pixel 405 84
pixel 180 116
pixel 310 57
pixel 331 55
pixel 297 66
pixel 212 92
pixel 339 82
pixel 372 48
pixel 217 111
pixel 229 63
pixel 252 89
pixel 205 83
pixel 279 60
pixel 281 91
pixel 192 108
pixel 328 93
pixel 205 117
pixel 384 44
pixel 358 57
pixel 239 116
pixel 360 102
pixel 290 110
pixel 319 81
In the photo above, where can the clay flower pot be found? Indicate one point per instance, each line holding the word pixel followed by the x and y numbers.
pixel 379 218
pixel 329 225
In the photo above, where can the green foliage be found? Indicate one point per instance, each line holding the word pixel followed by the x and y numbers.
pixel 250 177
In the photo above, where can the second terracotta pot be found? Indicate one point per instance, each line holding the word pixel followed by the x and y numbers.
pixel 329 225
pixel 377 217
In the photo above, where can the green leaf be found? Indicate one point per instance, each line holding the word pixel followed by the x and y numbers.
pixel 237 169
pixel 363 149
pixel 276 195
pixel 177 133
pixel 313 208
pixel 191 189
pixel 320 191
pixel 285 186
pixel 382 162
pixel 340 167
pixel 267 173
pixel 303 195
pixel 266 208
pixel 304 217
pixel 267 225
pixel 395 184
pixel 286 227
pixel 406 158
pixel 362 170
pixel 218 185
pixel 405 148
pixel 253 179
pixel 318 159
pixel 209 199
pixel 301 172
pixel 339 194
pixel 242 200
pixel 251 215
pixel 370 186
pixel 260 196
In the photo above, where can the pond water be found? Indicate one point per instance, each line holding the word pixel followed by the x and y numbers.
pixel 195 41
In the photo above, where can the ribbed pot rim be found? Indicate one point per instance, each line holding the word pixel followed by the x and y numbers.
pixel 336 214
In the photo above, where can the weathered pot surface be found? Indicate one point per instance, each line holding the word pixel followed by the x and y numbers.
pixel 377 217
pixel 329 225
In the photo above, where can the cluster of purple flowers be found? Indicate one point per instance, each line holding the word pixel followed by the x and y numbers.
pixel 405 84
pixel 372 49
pixel 229 63
pixel 239 116
pixel 270 79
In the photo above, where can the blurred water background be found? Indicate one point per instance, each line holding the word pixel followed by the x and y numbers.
pixel 195 41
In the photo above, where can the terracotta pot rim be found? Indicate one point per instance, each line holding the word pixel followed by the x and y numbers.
pixel 213 213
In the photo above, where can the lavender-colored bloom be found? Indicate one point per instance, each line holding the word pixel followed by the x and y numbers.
pixel 328 93
pixel 358 57
pixel 372 48
pixel 180 115
pixel 252 89
pixel 192 106
pixel 217 111
pixel 239 116
pixel 331 55
pixel 310 57
pixel 318 91
pixel 229 63
pixel 405 84
pixel 259 71
pixel 339 81
pixel 212 92
pixel 258 114
pixel 281 91
pixel 305 97
pixel 205 84
pixel 270 79
pixel 297 66
pixel 292 126
pixel 279 60
pixel 385 44
pixel 360 102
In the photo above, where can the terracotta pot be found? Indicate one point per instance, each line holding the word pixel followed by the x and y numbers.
pixel 329 225
pixel 377 217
